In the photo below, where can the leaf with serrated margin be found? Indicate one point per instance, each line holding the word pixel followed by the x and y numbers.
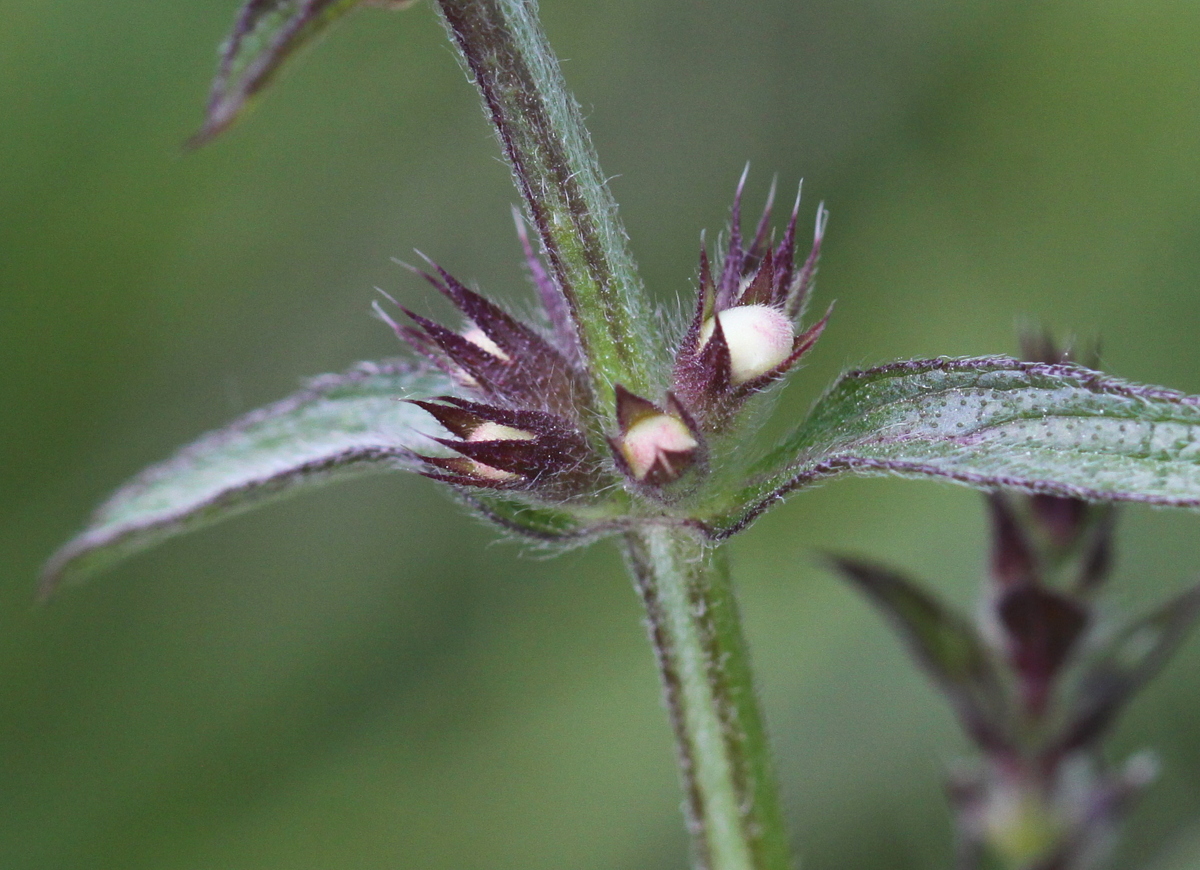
pixel 338 426
pixel 1128 662
pixel 266 33
pixel 987 423
pixel 947 646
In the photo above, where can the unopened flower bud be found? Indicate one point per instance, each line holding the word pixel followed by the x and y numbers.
pixel 658 441
pixel 489 431
pixel 759 338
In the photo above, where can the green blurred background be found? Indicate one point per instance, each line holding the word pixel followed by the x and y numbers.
pixel 363 678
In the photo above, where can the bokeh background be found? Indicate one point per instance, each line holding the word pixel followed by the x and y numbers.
pixel 365 678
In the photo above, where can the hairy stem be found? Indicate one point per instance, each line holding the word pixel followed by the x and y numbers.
pixel 731 796
pixel 567 200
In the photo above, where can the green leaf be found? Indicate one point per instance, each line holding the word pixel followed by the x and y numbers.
pixel 266 33
pixel 337 427
pixel 947 646
pixel 987 423
pixel 544 523
pixel 1128 662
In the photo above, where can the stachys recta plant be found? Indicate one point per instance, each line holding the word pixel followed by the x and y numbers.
pixel 593 421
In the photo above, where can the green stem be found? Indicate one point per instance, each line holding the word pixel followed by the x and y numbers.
pixel 732 799
pixel 542 134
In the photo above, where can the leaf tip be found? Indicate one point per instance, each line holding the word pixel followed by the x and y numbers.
pixel 55 572
pixel 266 33
pixel 218 117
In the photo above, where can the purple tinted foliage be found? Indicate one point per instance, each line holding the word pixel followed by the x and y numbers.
pixel 946 646
pixel 1012 563
pixel 1041 630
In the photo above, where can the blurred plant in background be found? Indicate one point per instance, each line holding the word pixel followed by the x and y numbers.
pixel 1037 678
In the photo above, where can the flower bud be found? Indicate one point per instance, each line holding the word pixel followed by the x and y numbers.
pixel 759 338
pixel 658 441
pixel 489 431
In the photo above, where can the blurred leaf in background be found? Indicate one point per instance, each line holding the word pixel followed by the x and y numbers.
pixel 362 678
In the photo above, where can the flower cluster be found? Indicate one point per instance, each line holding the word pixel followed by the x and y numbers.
pixel 741 338
pixel 520 421
pixel 523 426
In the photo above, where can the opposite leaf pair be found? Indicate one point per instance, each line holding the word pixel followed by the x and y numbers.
pixel 531 413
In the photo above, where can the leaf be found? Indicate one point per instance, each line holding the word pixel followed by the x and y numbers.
pixel 1013 563
pixel 1128 662
pixel 266 33
pixel 544 523
pixel 1042 628
pixel 337 427
pixel 947 646
pixel 987 423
